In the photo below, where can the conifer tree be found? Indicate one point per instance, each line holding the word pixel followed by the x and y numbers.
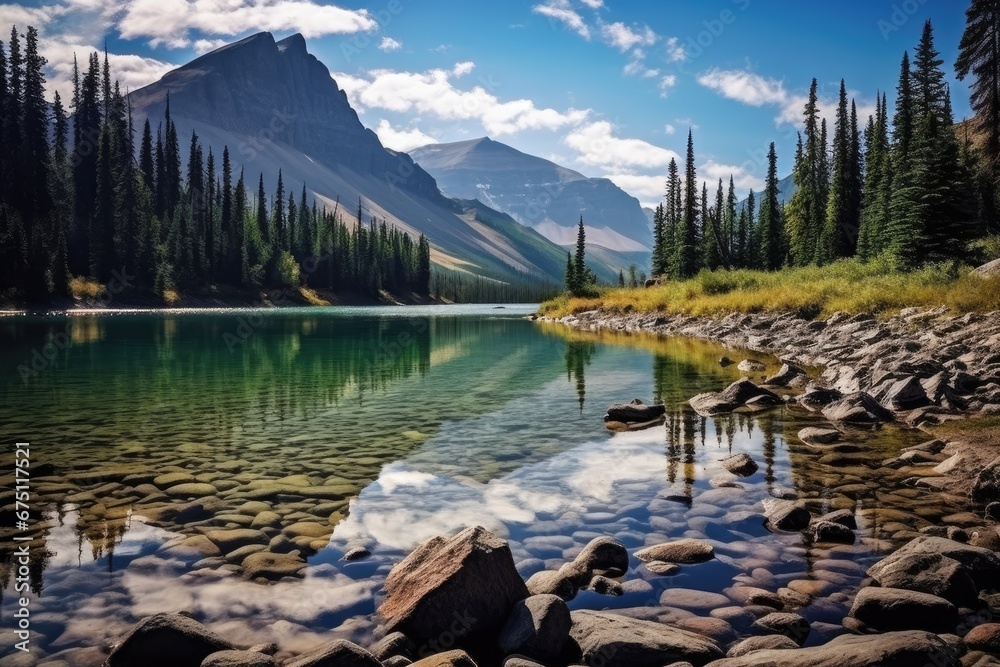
pixel 839 214
pixel 771 251
pixel 687 259
pixel 580 260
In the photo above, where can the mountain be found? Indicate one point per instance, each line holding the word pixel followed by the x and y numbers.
pixel 276 107
pixel 538 193
pixel 786 188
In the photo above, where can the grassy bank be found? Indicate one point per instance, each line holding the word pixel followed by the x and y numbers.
pixel 848 286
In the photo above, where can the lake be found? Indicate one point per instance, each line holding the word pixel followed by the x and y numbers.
pixel 327 430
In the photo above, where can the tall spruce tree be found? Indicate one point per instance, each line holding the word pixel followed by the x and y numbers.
pixel 770 243
pixel 580 259
pixel 834 241
pixel 687 257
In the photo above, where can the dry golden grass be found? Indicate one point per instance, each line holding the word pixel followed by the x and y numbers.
pixel 312 297
pixel 171 296
pixel 85 288
pixel 848 286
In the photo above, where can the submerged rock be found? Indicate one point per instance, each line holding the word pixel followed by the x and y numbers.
pixel 751 366
pixel 814 435
pixel 635 411
pixel 793 626
pixel 786 515
pixel 685 552
pixel 468 582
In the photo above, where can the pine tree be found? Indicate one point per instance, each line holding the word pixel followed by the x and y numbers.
pixel 659 257
pixel 806 210
pixel 687 258
pixel 771 247
pixel 424 266
pixel 979 56
pixel 834 241
pixel 570 275
pixel 146 165
pixel 60 179
pixel 672 216
pixel 730 225
pixel 797 214
pixel 855 186
pixel 745 229
pixel 580 260
pixel 902 235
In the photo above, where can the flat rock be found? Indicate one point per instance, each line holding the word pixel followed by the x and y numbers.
pixel 272 566
pixel 751 366
pixel 699 602
pixel 983 564
pixel 786 515
pixel 815 435
pixel 888 609
pixel 447 659
pixel 636 411
pixel 927 573
pixel 732 397
pixel 238 659
pixel 612 639
pixel 685 552
pixel 985 637
pixel 338 653
pixel 894 649
pixel 793 626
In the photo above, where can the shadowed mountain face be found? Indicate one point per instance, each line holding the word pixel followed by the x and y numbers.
pixel 538 193
pixel 276 107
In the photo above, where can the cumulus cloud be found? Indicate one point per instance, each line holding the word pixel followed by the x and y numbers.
pixel 675 50
pixel 593 4
pixel 666 83
pixel 745 177
pixel 402 139
pixel 175 19
pixel 434 92
pixel 647 189
pixel 623 38
pixel 597 145
pixel 389 44
pixel 131 71
pixel 561 11
pixel 743 86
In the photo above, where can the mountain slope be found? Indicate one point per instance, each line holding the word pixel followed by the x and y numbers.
pixel 276 107
pixel 538 193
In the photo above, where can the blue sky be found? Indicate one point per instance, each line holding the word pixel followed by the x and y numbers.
pixel 608 87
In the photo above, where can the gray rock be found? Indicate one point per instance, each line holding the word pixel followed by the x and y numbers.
pixel 985 637
pixel 636 411
pixel 793 626
pixel 687 551
pixel 552 582
pixel 927 573
pixel 987 486
pixel 166 640
pixel 887 609
pixel 338 653
pixel 785 375
pixel 765 642
pixel 238 659
pixel 735 395
pixel 605 586
pixel 611 639
pixel 895 649
pixel 982 564
pixel 468 580
pixel 987 270
pixel 786 515
pixel 602 555
pixel 845 518
pixel 828 531
pixel 538 627
pixel 357 553
pixel 751 366
pixel 905 394
pixel 741 465
pixel 814 435
pixel 817 397
pixel 454 658
pixel 394 644
pixel 857 408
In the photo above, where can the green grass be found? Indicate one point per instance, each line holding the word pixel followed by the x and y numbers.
pixel 848 285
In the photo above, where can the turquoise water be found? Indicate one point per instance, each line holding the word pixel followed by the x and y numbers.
pixel 377 428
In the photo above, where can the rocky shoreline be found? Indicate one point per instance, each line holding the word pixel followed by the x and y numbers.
pixel 927 598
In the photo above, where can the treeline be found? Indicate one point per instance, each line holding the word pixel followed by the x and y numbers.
pixel 78 201
pixel 910 189
pixel 463 287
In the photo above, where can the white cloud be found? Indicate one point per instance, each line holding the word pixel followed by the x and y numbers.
pixel 201 46
pixel 637 66
pixel 597 145
pixel 132 71
pixel 647 189
pixel 400 139
pixel 433 92
pixel 461 69
pixel 744 86
pixel 666 83
pixel 624 38
pixel 175 19
pixel 593 4
pixel 675 50
pixel 22 17
pixel 562 12
pixel 389 44
pixel 669 129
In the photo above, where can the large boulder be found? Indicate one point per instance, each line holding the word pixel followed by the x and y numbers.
pixel 610 639
pixel 894 649
pixel 686 552
pixel 538 627
pixel 338 653
pixel 985 637
pixel 927 573
pixel 785 375
pixel 982 564
pixel 762 643
pixel 905 394
pixel 988 270
pixel 887 609
pixel 238 659
pixel 987 486
pixel 166 640
pixel 857 408
pixel 793 626
pixel 553 582
pixel 734 396
pixel 447 659
pixel 465 585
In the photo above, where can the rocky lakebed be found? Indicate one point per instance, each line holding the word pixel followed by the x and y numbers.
pixel 867 543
